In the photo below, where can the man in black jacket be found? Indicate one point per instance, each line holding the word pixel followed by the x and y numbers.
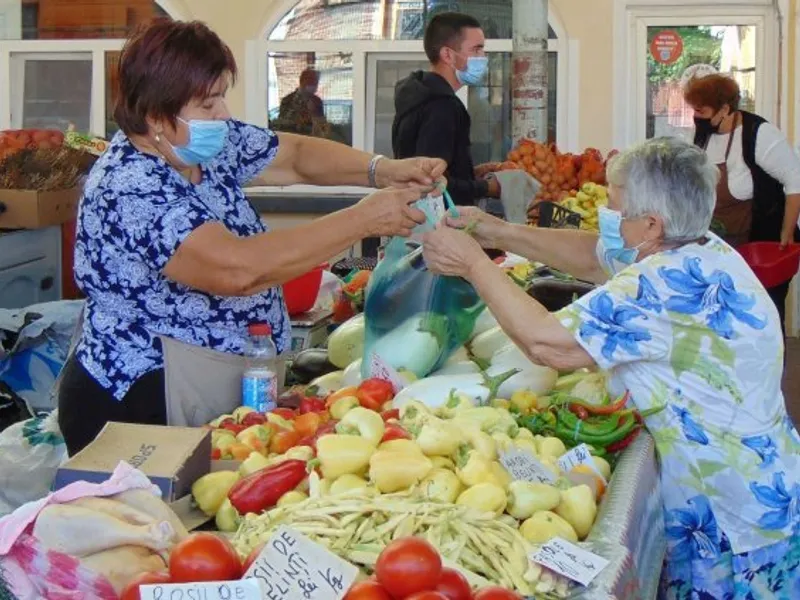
pixel 430 120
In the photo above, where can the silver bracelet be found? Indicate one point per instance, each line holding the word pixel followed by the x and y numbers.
pixel 373 167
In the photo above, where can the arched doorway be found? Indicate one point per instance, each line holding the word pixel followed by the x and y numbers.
pixel 362 47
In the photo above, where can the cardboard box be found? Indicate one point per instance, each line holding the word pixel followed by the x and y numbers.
pixel 33 209
pixel 191 516
pixel 172 457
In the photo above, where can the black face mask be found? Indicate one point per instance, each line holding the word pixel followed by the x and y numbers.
pixel 704 126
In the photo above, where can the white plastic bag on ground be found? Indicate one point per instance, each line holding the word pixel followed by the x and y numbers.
pixel 30 453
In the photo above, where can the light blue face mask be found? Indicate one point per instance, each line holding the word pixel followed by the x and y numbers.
pixel 206 141
pixel 477 66
pixel 611 250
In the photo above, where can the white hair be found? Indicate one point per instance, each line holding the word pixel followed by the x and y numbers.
pixel 670 178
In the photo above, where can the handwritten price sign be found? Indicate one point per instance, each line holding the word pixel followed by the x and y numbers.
pixel 579 455
pixel 246 589
pixel 292 567
pixel 569 560
pixel 523 466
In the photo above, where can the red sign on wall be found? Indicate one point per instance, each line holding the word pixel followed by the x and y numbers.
pixel 666 47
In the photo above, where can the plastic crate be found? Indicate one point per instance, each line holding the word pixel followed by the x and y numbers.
pixel 771 264
pixel 555 216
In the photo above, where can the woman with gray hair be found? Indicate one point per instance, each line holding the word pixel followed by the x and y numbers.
pixel 682 324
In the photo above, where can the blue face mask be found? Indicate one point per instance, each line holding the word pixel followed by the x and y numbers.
pixel 477 66
pixel 206 141
pixel 611 250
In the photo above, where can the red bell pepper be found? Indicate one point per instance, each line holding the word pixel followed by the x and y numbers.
pixel 394 432
pixel 388 415
pixel 373 393
pixel 284 413
pixel 312 404
pixel 262 490
pixel 324 429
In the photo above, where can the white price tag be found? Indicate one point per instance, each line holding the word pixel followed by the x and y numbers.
pixel 381 370
pixel 569 560
pixel 524 466
pixel 244 589
pixel 579 455
pixel 292 567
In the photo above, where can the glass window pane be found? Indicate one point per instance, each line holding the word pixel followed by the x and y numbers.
pixel 490 108
pixel 112 92
pixel 321 110
pixel 51 91
pixel 674 53
pixel 74 19
pixel 386 19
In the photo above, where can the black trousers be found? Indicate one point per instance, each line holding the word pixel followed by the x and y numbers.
pixel 778 295
pixel 84 406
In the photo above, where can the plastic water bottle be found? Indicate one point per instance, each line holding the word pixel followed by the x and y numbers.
pixel 259 382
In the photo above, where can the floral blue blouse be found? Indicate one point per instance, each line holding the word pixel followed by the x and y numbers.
pixel 693 331
pixel 135 212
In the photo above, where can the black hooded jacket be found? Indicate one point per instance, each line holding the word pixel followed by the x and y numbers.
pixel 430 120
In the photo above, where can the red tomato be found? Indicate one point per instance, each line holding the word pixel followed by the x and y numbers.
pixel 204 557
pixel 367 590
pixel 427 595
pixel 453 585
pixel 407 566
pixel 131 591
pixel 496 593
pixel 394 432
pixel 251 558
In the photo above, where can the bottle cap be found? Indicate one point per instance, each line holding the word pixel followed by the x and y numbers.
pixel 260 329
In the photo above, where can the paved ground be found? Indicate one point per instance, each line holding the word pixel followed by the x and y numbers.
pixel 791 379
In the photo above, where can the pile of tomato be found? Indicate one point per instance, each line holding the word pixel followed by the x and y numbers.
pixel 411 569
pixel 12 140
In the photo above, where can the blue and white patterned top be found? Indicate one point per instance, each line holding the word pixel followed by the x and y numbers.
pixel 693 331
pixel 135 212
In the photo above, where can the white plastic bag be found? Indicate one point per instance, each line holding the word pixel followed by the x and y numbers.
pixel 30 453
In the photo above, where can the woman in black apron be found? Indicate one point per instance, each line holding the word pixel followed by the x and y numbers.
pixel 173 259
pixel 764 203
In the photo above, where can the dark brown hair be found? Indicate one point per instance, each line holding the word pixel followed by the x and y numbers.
pixel 163 66
pixel 446 29
pixel 713 90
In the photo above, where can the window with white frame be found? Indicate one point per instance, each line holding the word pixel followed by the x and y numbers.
pixel 360 48
pixel 60 61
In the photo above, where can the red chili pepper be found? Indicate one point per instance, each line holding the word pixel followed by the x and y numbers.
pixel 579 411
pixel 374 393
pixel 262 490
pixel 604 409
pixel 620 445
pixel 394 432
pixel 311 404
pixel 391 414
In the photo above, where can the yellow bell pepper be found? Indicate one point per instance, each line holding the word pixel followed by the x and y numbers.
pixel 292 497
pixel 524 401
pixel 502 442
pixel 501 403
pixel 602 466
pixel 222 438
pixel 443 462
pixel 438 438
pixel 342 406
pixel 395 471
pixel 347 483
pixel 241 412
pixel 341 454
pixel 545 525
pixel 526 498
pixel 485 497
pixel 364 422
pixel 414 414
pixel 299 453
pixel 527 446
pixel 474 469
pixel 441 485
pixel 227 518
pixel 400 445
pixel 256 437
pixel 280 421
pixel 255 462
pixel 210 490
pixel 481 442
pixel 501 476
pixel 578 508
pixel 524 434
pixel 318 487
pixel 484 417
pixel 550 446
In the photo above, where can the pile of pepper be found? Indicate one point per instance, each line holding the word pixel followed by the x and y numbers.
pixel 606 428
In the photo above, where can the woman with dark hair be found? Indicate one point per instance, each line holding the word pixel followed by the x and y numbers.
pixel 758 194
pixel 173 259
